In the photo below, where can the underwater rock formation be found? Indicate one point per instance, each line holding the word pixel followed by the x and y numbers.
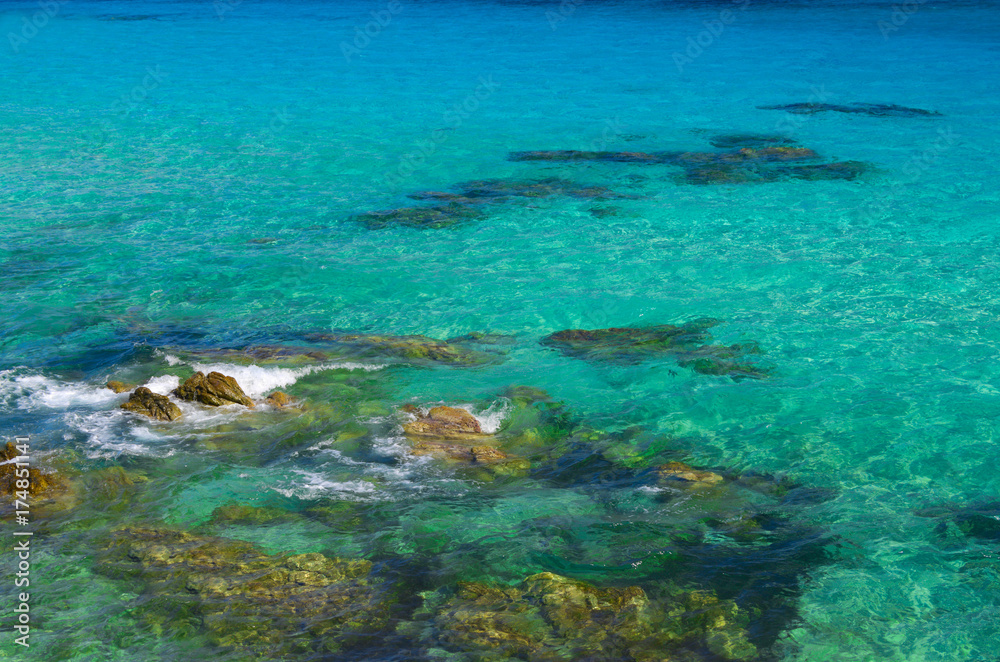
pixel 214 389
pixel 552 618
pixel 874 109
pixel 765 154
pixel 271 606
pixel 680 474
pixel 410 348
pixel 434 217
pixel 688 343
pixel 736 140
pixel 156 406
pixel 498 190
pixel 730 173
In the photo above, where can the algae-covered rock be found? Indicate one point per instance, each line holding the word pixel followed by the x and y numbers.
pixel 119 387
pixel 214 389
pixel 680 474
pixel 688 343
pixel 158 407
pixel 419 349
pixel 115 484
pixel 444 423
pixel 433 217
pixel 29 479
pixel 244 513
pixel 551 618
pixel 288 605
pixel 279 399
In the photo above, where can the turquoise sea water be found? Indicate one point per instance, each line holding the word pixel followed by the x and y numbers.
pixel 181 176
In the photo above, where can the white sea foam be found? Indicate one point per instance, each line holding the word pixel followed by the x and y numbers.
pixel 163 384
pixel 312 484
pixel 25 390
pixel 259 381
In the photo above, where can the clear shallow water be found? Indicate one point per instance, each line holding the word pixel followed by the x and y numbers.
pixel 875 300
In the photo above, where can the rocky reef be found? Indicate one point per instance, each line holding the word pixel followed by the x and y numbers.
pixel 214 389
pixel 873 109
pixel 688 343
pixel 549 617
pixel 282 606
pixel 433 217
pixel 463 351
pixel 155 406
pixel 499 190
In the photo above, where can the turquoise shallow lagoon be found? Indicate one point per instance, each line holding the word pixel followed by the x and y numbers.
pixel 182 181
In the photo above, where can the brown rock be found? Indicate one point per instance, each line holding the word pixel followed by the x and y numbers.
pixel 444 423
pixel 35 483
pixel 680 473
pixel 119 387
pixel 215 389
pixel 279 399
pixel 158 407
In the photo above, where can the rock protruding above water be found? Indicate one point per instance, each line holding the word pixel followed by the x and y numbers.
pixel 443 423
pixel 38 482
pixel 410 348
pixel 553 618
pixel 434 217
pixel 284 605
pixel 874 109
pixel 156 406
pixel 687 343
pixel 119 387
pixel 279 399
pixel 214 389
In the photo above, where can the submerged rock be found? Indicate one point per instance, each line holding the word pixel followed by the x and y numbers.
pixel 678 473
pixel 731 140
pixel 764 154
pixel 31 480
pixel 243 513
pixel 443 423
pixel 119 387
pixel 552 618
pixel 156 406
pixel 874 109
pixel 435 217
pixel 410 348
pixel 498 190
pixel 731 173
pixel 272 606
pixel 215 390
pixel 687 343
